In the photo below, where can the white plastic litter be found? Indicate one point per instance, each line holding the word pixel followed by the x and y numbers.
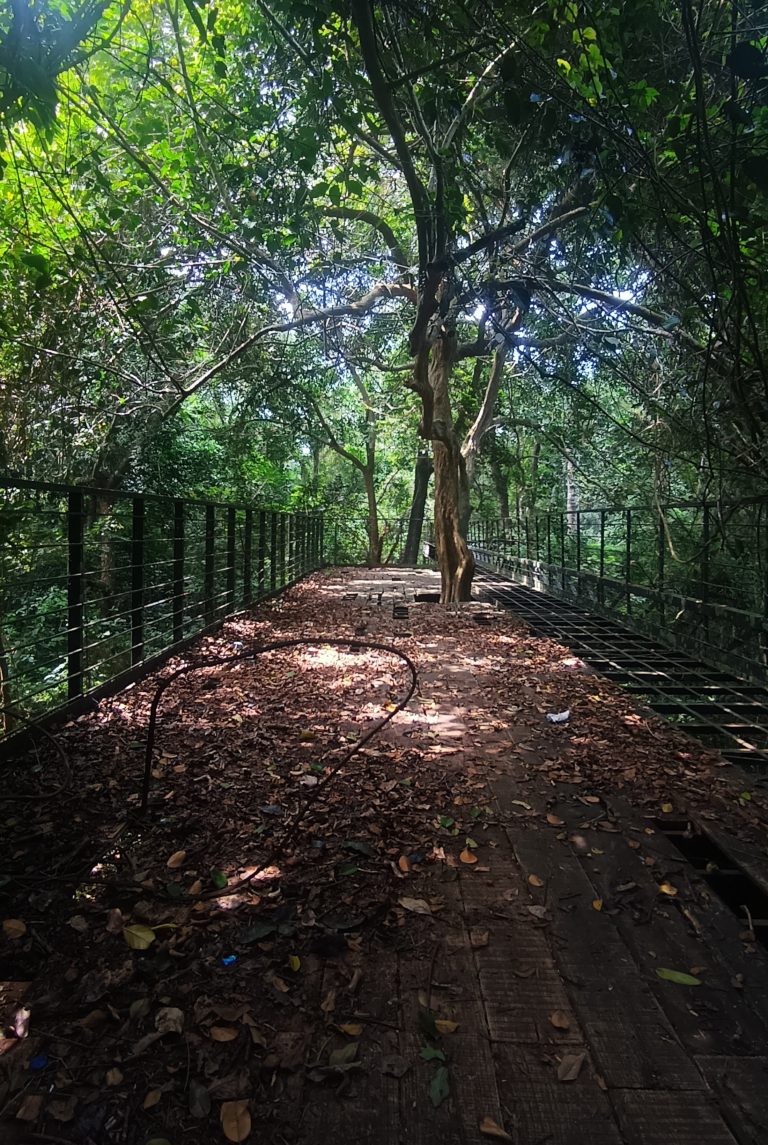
pixel 559 717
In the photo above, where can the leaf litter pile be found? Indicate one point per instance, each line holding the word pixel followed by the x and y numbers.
pixel 202 973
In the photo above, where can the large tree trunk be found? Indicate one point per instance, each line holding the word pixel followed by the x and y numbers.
pixel 422 474
pixel 375 540
pixel 454 559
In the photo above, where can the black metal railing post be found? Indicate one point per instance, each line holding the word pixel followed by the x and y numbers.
pixel 178 571
pixel 209 574
pixel 75 591
pixel 628 561
pixel 281 549
pixel 601 581
pixel 262 553
pixel 272 551
pixel 229 599
pixel 291 546
pixel 578 552
pixel 137 582
pixel 248 556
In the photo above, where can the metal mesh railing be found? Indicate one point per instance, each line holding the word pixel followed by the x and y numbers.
pixel 695 574
pixel 95 585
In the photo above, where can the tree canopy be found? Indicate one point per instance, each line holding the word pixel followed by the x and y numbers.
pixel 275 248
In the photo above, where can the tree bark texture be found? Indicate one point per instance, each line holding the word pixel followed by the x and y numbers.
pixel 454 559
pixel 422 474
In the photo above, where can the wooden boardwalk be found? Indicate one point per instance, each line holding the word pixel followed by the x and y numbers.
pixel 545 953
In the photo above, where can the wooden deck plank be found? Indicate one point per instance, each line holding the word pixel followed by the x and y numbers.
pixel 653 1118
pixel 741 1086
pixel 713 1019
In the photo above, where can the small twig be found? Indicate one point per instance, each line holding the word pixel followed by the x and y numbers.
pixel 431 973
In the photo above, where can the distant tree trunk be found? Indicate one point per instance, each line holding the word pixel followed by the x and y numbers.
pixel 572 495
pixel 375 540
pixel 422 473
pixel 6 696
pixel 456 563
pixel 501 485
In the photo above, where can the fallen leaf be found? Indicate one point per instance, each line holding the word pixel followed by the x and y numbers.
pixel 667 808
pixel 418 906
pixel 152 1098
pixel 294 962
pixel 677 976
pixel 138 937
pixel 14 928
pixel 169 1020
pixel 537 911
pixel 668 889
pixel 403 864
pixel 30 1108
pixel 280 984
pixel 633 843
pixel 570 1066
pixel 440 1088
pixel 176 860
pixel 535 881
pixel 345 1055
pixel 78 923
pixel 196 887
pixel 113 1076
pixel 199 1099
pixel 444 1026
pixel 222 1033
pixel 62 1108
pixel 478 938
pixel 466 856
pixel 393 1065
pixel 490 1128
pixel 354 1029
pixel 560 1020
pixel 555 820
pixel 235 1120
pixel 114 921
pixel 597 904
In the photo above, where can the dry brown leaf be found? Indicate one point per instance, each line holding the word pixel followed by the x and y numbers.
pixel 555 820
pixel 468 857
pixel 176 860
pixel 62 1108
pixel 113 1076
pixel 535 881
pixel 444 1026
pixel 30 1108
pixel 152 1098
pixel 235 1120
pixel 354 1029
pixel 633 843
pixel 570 1066
pixel 14 928
pixel 560 1020
pixel 478 938
pixel 280 984
pixel 668 889
pixel 490 1128
pixel 418 906
pixel 404 864
pixel 328 1004
pixel 222 1033
pixel 196 887
pixel 597 904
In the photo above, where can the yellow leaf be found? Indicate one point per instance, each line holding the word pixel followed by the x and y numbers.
pixel 14 928
pixel 490 1128
pixel 113 1076
pixel 152 1098
pixel 294 962
pixel 467 857
pixel 560 1020
pixel 235 1120
pixel 306 737
pixel 176 860
pixel 222 1033
pixel 444 1026
pixel 666 808
pixel 354 1029
pixel 138 937
pixel 668 889
pixel 597 904
pixel 535 881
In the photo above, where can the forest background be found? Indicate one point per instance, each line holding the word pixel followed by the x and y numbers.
pixel 274 251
